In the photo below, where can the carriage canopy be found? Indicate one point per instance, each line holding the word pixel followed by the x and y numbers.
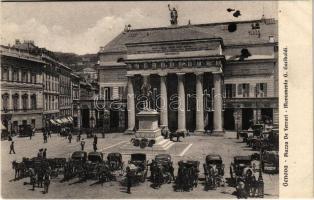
pixel 163 158
pixel 138 157
pixel 95 156
pixel 242 159
pixel 114 157
pixel 189 163
pixel 213 159
pixel 79 155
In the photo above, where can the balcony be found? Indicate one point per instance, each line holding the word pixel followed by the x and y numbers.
pixel 22 111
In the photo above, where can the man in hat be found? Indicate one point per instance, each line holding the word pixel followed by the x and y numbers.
pixel 95 146
pixel 12 147
pixel 128 179
pixel 45 153
pixel 40 153
pixel 70 137
pixel 82 144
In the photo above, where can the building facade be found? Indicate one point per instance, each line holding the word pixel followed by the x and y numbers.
pixel 21 89
pixel 217 77
pixel 35 87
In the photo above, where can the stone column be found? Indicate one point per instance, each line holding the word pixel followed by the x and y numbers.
pixel 199 103
pixel 163 101
pixel 181 102
pixel 131 106
pixel 218 130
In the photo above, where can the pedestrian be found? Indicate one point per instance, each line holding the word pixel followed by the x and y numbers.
pixel 78 137
pixel 95 147
pixel 40 153
pixel 128 179
pixel 103 133
pixel 45 137
pixel 95 139
pixel 46 183
pixel 45 153
pixel 49 133
pixel 70 137
pixel 82 144
pixel 30 136
pixel 12 147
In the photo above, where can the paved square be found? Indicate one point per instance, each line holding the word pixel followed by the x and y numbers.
pixel 195 147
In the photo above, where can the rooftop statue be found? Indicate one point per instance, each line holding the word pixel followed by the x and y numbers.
pixel 173 15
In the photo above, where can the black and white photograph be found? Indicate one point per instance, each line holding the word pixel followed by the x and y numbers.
pixel 140 100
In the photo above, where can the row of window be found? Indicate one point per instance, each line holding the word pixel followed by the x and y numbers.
pixel 51 83
pixel 16 101
pixel 51 102
pixel 24 78
pixel 243 89
pixel 65 101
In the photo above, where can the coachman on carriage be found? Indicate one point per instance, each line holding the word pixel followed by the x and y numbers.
pixel 115 161
pixel 162 170
pixel 138 167
pixel 187 177
pixel 248 181
pixel 214 171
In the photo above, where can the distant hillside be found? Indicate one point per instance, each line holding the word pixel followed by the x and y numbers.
pixel 77 62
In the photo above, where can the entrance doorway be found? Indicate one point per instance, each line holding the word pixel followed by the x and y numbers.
pixel 247 117
pixel 229 122
pixel 267 114
pixel 85 118
pixel 114 120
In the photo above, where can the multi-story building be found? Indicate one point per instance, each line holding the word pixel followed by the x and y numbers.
pixel 76 101
pixel 46 86
pixel 206 76
pixel 21 88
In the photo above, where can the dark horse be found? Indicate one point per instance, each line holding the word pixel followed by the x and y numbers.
pixel 20 169
pixel 177 135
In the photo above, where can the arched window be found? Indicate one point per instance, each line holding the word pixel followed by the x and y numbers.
pixel 5 101
pixel 33 102
pixel 15 98
pixel 24 101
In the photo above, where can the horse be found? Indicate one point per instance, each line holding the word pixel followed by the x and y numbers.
pixel 177 135
pixel 20 169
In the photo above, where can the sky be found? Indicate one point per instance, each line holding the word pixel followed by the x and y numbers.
pixel 83 27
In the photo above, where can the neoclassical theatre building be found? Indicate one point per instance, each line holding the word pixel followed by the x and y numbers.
pixel 218 76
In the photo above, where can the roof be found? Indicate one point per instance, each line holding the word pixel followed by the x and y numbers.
pixel 192 32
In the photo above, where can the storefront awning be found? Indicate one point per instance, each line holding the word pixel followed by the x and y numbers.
pixel 2 127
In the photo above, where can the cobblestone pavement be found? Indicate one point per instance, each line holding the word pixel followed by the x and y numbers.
pixel 227 146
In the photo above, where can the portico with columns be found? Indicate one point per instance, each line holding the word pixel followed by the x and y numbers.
pixel 186 72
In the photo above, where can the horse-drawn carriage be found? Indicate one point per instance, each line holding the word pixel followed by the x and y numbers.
pixel 162 170
pixel 187 177
pixel 138 166
pixel 75 165
pixel 214 171
pixel 270 161
pixel 115 162
pixel 247 179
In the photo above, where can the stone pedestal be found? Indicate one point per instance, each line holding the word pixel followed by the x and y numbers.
pixel 148 128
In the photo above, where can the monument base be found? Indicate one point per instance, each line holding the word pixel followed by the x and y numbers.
pixel 148 129
pixel 161 146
